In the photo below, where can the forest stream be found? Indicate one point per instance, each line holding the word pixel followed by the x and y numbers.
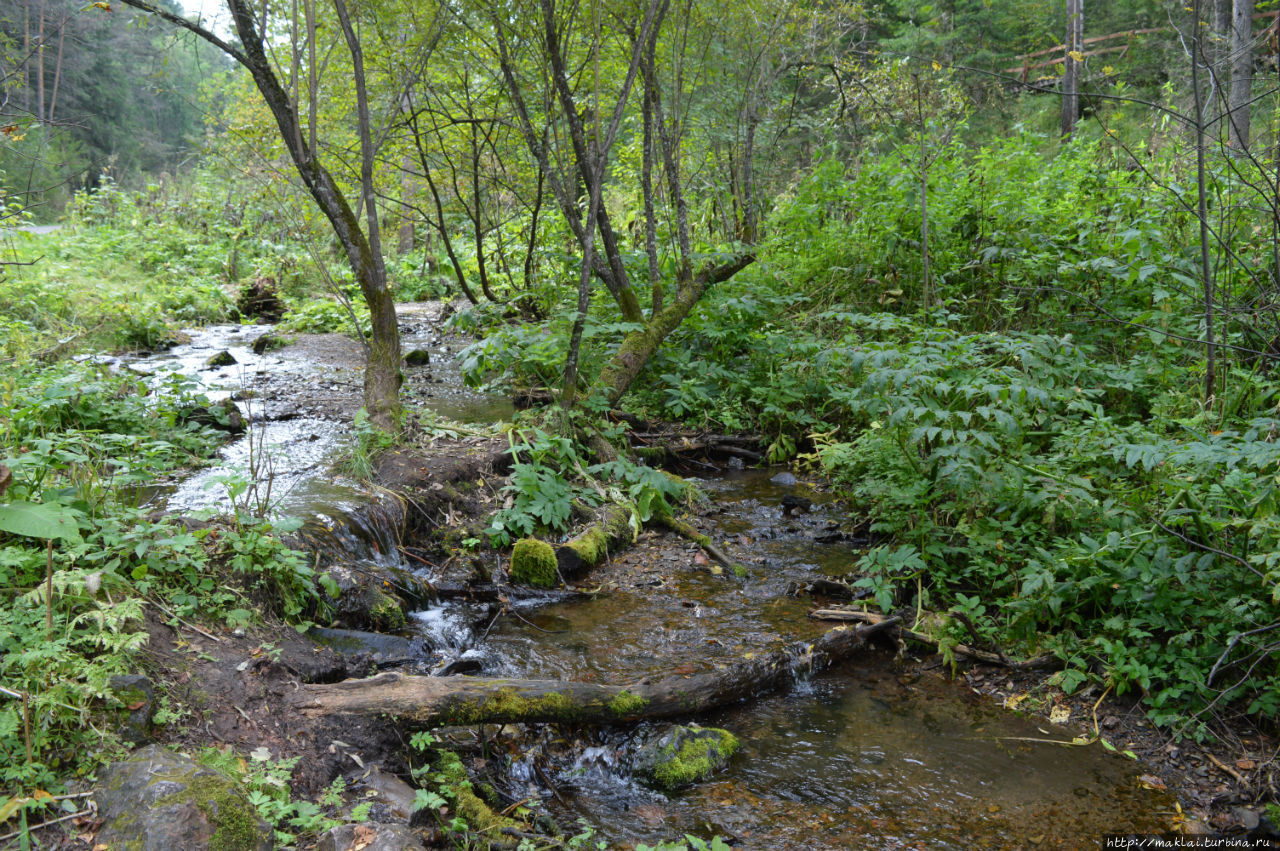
pixel 874 753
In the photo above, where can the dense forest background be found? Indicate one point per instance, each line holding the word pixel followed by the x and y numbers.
pixel 1007 283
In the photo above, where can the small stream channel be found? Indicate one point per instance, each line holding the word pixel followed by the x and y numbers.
pixel 865 756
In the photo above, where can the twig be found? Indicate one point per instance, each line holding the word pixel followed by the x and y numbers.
pixel 1228 769
pixel 185 623
pixel 512 808
pixel 17 833
pixel 961 649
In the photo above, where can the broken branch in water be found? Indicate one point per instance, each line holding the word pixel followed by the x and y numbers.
pixel 958 649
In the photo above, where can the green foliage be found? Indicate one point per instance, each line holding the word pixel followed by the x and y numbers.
pixel 549 478
pixel 267 785
pixel 325 315
pixel 1063 489
pixel 80 441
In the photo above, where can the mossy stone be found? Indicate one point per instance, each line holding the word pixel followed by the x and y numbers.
pixel 157 800
pixel 386 611
pixel 684 755
pixel 533 562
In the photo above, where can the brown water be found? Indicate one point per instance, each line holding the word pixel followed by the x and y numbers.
pixel 864 756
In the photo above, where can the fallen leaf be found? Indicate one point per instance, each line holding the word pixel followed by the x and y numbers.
pixel 700 559
pixel 1246 764
pixel 1060 714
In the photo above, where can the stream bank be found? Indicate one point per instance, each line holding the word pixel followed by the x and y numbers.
pixel 880 725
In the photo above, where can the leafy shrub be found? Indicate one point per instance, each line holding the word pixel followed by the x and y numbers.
pixel 324 316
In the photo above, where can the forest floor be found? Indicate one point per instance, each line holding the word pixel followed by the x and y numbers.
pixel 226 687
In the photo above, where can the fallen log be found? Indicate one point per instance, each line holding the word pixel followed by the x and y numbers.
pixel 427 701
pixel 871 618
pixel 614 533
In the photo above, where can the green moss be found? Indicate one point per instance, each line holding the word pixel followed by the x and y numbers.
pixel 626 703
pixel 507 706
pixel 386 612
pixel 690 758
pixel 533 562
pixel 740 571
pixel 591 546
pixel 234 820
pixel 477 814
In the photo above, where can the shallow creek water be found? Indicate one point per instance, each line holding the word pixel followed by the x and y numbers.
pixel 291 446
pixel 865 756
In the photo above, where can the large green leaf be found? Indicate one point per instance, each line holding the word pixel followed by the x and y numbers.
pixel 39 520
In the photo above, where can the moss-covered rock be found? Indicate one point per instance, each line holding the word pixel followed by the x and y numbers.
pixel 137 697
pixel 157 800
pixel 683 756
pixel 533 562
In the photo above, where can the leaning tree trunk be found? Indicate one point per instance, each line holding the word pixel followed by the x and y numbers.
pixel 364 253
pixel 426 701
pixel 638 346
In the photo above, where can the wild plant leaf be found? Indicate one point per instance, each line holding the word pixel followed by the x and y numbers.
pixel 47 521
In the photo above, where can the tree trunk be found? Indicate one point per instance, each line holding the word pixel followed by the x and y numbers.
pixel 404 236
pixel 1241 74
pixel 382 376
pixel 364 252
pixel 638 346
pixel 427 701
pixel 57 68
pixel 1202 211
pixel 1071 77
pixel 40 115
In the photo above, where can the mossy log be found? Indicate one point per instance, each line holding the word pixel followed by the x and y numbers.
pixel 612 534
pixel 425 701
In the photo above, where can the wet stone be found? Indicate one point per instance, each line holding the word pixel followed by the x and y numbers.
pixel 418 357
pixel 222 358
pixel 684 755
pixel 784 479
pixel 370 837
pixel 383 650
pixel 138 695
pixel 391 797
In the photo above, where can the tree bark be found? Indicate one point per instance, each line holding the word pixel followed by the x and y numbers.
pixel 426 701
pixel 1241 74
pixel 382 371
pixel 1071 77
pixel 1202 211
pixel 638 346
pixel 382 376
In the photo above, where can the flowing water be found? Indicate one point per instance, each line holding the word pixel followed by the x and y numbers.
pixel 285 462
pixel 863 756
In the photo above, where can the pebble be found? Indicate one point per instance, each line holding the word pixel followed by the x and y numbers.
pixel 784 479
